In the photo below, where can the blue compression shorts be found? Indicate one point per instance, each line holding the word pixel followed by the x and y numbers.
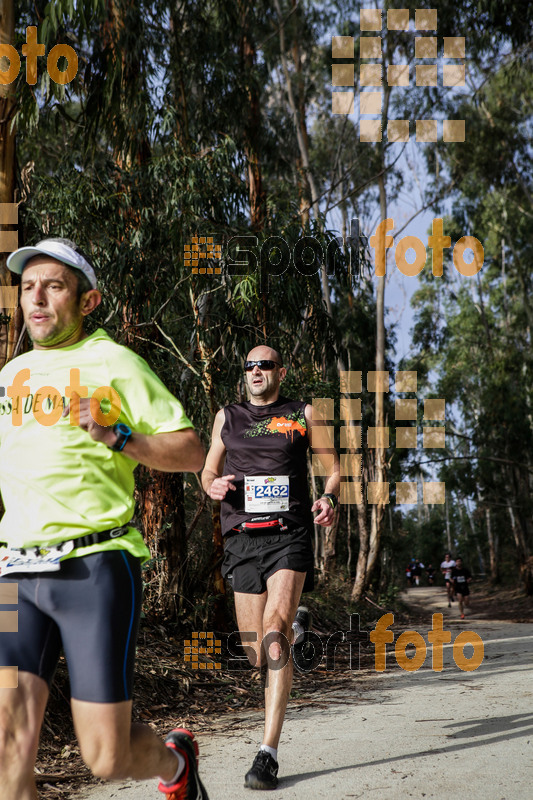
pixel 91 610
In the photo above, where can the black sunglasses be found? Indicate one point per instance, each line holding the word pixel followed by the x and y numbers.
pixel 263 364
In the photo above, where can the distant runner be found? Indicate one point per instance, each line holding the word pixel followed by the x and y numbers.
pixel 430 572
pixel 67 487
pixel 461 578
pixel 416 571
pixel 446 568
pixel 257 467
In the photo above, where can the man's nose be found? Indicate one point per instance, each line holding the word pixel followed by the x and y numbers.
pixel 38 296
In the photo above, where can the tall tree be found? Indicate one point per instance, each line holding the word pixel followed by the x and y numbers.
pixel 10 320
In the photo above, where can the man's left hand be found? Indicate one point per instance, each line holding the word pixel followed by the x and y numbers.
pixel 327 513
pixel 100 433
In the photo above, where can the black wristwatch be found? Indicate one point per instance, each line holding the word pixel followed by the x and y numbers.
pixel 123 433
pixel 332 499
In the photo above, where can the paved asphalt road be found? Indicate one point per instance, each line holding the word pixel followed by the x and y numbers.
pixel 450 735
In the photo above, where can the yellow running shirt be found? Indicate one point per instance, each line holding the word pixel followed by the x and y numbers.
pixel 57 483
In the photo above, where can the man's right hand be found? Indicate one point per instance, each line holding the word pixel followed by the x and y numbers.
pixel 220 486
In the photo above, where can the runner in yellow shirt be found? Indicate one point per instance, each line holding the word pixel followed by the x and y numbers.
pixel 77 414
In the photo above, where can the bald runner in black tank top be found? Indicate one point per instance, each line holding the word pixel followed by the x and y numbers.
pixel 268 440
pixel 257 468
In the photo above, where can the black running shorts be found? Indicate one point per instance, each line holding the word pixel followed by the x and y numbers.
pixel 249 560
pixel 461 588
pixel 91 609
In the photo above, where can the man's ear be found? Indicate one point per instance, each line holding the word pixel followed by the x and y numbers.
pixel 89 301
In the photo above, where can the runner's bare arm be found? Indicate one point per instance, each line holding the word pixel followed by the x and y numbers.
pixel 176 451
pixel 215 485
pixel 322 446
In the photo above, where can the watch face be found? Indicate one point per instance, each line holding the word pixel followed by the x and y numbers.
pixel 124 429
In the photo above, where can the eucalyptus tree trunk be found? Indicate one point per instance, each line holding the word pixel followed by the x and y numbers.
pixel 448 531
pixel 298 111
pixel 252 128
pixel 360 581
pixel 159 495
pixel 10 316
pixel 303 183
pixel 519 530
pixel 517 526
pixel 380 473
pixel 377 519
pixel 493 541
pixel 220 615
pixel 493 564
pixel 298 117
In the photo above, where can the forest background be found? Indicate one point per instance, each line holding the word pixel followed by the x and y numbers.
pixel 214 119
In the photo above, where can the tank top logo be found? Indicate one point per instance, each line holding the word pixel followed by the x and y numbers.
pixel 286 425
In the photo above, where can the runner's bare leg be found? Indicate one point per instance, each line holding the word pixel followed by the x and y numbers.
pixel 284 589
pixel 249 609
pixel 21 717
pixel 113 747
pixel 273 611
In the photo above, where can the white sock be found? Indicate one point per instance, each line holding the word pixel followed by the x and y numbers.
pixel 298 631
pixel 181 767
pixel 272 750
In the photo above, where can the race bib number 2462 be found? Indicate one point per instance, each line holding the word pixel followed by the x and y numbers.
pixel 266 493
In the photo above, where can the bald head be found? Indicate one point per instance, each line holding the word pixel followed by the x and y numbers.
pixel 262 351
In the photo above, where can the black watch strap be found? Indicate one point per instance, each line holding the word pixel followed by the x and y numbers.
pixel 123 433
pixel 332 499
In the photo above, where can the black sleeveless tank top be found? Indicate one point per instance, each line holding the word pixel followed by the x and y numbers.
pixel 266 440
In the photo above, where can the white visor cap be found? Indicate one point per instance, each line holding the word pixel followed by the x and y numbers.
pixel 61 252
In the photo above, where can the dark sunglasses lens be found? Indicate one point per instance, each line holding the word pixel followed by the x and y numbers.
pixel 249 365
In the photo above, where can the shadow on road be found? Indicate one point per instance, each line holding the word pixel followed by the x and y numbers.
pixel 506 726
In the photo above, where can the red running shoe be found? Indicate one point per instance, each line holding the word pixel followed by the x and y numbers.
pixel 189 786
